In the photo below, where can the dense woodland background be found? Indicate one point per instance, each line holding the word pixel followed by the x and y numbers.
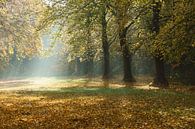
pixel 108 38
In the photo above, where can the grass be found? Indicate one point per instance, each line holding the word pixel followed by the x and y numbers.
pixel 75 104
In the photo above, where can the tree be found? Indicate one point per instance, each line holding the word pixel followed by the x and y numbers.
pixel 105 43
pixel 159 79
pixel 17 29
pixel 126 14
pixel 175 39
pixel 91 18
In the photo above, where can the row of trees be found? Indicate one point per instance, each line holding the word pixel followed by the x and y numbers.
pixel 100 30
pixel 162 28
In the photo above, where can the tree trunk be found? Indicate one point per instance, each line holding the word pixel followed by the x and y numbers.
pixel 77 66
pixel 88 67
pixel 127 57
pixel 159 79
pixel 90 54
pixel 106 72
pixel 105 46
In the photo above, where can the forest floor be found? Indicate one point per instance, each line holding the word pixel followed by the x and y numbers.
pixel 49 103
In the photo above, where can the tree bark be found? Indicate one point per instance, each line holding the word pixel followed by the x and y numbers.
pixel 127 57
pixel 105 46
pixel 160 79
